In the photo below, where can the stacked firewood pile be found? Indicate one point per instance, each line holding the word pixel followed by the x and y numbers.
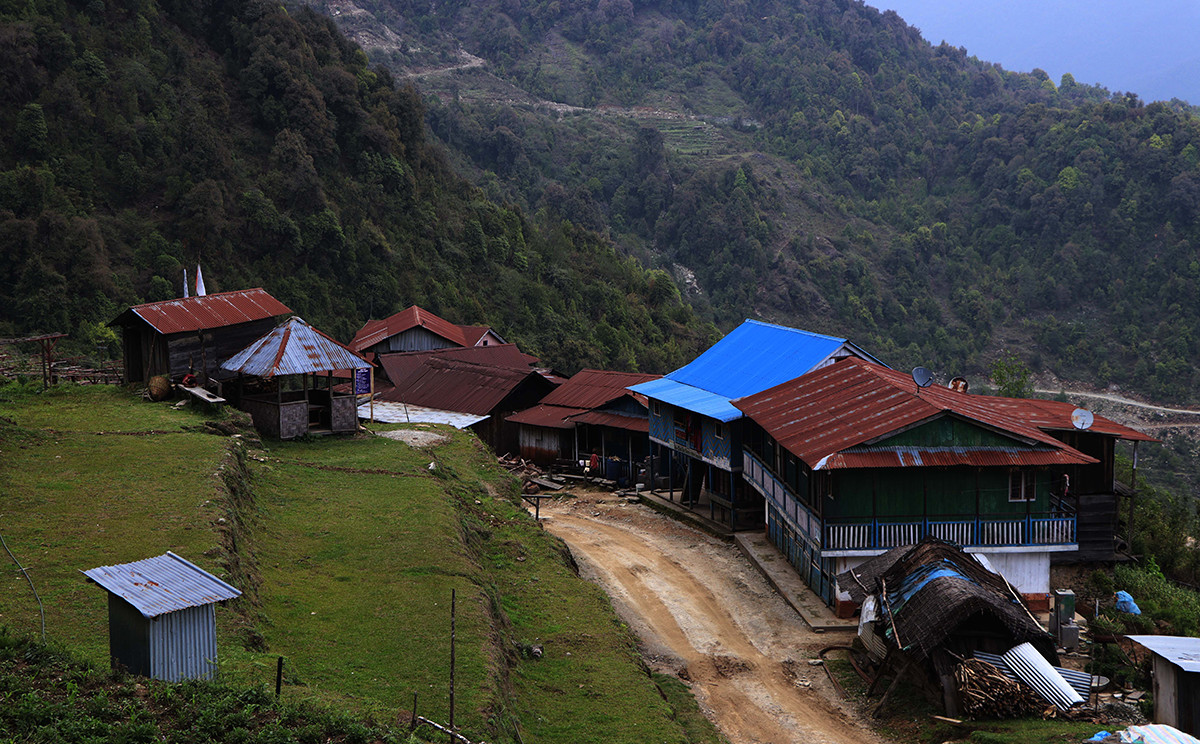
pixel 518 466
pixel 985 692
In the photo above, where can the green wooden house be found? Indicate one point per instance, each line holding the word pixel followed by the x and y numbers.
pixel 854 459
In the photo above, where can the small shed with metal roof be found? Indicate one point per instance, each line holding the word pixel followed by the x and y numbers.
pixel 1176 680
pixel 161 621
pixel 286 382
pixel 193 334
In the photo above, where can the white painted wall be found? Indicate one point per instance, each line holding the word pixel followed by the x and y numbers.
pixel 1029 573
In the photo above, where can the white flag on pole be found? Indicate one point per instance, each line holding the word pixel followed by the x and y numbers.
pixel 185 292
pixel 199 282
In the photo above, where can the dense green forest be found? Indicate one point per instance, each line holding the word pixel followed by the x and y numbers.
pixel 819 163
pixel 147 136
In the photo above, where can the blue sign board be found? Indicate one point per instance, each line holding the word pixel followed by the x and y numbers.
pixel 362 381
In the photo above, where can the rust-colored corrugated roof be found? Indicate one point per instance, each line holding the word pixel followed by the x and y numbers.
pixel 853 403
pixel 399 364
pixel 590 388
pixel 615 420
pixel 293 348
pixel 208 311
pixel 1053 415
pixel 549 417
pixel 910 457
pixel 453 385
pixel 374 331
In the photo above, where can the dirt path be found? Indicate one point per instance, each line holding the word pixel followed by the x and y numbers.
pixel 1122 400
pixel 705 614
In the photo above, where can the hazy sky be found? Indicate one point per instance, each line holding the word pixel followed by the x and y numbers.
pixel 1150 47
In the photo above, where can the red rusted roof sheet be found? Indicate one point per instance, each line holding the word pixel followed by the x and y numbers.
pixel 615 420
pixel 853 403
pixel 374 331
pixel 910 457
pixel 400 364
pixel 190 314
pixel 453 385
pixel 474 334
pixel 293 348
pixel 1053 415
pixel 591 388
pixel 549 417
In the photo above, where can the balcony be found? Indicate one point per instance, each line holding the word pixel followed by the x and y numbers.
pixel 994 531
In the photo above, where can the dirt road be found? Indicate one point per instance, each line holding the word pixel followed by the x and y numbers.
pixel 704 613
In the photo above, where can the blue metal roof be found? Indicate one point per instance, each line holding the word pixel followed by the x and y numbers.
pixel 753 357
pixel 689 398
pixel 166 583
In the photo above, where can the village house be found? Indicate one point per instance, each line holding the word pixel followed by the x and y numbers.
pixel 467 394
pixel 592 412
pixel 854 459
pixel 417 329
pixel 696 432
pixel 193 335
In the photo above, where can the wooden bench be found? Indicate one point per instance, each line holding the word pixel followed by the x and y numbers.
pixel 203 395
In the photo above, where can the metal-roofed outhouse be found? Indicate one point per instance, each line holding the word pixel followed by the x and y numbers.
pixel 161 621
pixel 1176 680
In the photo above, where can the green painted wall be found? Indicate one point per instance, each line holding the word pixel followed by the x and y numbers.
pixel 933 491
pixel 948 431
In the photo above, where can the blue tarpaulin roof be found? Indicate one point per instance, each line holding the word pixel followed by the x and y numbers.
pixel 753 357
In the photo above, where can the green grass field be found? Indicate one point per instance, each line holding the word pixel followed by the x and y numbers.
pixel 355 544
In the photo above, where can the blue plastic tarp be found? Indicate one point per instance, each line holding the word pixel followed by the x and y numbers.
pixel 1125 603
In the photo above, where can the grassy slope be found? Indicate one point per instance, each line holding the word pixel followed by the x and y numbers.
pixel 358 545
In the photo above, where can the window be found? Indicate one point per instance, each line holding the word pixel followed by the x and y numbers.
pixel 719 430
pixel 1022 485
pixel 654 408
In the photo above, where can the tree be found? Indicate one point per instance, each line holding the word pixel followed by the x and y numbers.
pixel 1011 376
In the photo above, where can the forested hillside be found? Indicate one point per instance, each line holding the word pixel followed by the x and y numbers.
pixel 144 137
pixel 818 162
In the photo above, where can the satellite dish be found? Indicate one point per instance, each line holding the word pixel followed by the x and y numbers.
pixel 922 376
pixel 1081 418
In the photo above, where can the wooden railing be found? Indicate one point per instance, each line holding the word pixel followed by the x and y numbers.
pixel 982 531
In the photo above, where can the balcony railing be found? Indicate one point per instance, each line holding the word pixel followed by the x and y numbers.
pixel 983 531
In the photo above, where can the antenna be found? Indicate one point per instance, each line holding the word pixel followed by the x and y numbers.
pixel 922 377
pixel 1081 418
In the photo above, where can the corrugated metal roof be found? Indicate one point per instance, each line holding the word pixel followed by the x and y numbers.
pixel 753 357
pixel 166 583
pixel 853 403
pixel 614 420
pixel 293 348
pixel 403 413
pixel 374 331
pixel 1182 652
pixel 756 356
pixel 1053 415
pixel 209 311
pixel 400 364
pixel 452 385
pixel 591 388
pixel 549 417
pixel 689 398
pixel 910 457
